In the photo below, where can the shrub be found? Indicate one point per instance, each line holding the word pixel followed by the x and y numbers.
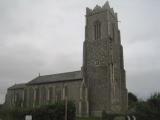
pixel 132 100
pixel 150 109
pixel 55 112
pixel 50 112
pixel 109 116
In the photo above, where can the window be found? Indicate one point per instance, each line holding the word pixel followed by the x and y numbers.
pixel 31 97
pixel 66 91
pixel 37 96
pixel 58 94
pixel 43 95
pixel 97 30
pixel 50 95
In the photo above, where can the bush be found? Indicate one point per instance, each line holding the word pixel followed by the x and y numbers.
pixel 88 118
pixel 50 112
pixel 150 109
pixel 110 116
pixel 14 114
pixel 132 100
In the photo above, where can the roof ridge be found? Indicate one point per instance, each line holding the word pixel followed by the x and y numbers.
pixel 59 73
pixel 58 77
pixel 19 85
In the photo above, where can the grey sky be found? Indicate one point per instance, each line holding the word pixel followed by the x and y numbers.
pixel 46 36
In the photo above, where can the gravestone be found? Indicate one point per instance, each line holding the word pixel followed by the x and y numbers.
pixel 28 117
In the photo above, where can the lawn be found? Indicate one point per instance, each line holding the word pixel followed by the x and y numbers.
pixel 91 118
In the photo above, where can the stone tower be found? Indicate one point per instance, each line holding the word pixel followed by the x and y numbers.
pixel 103 67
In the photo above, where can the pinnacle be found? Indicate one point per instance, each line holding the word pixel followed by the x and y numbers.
pixel 97 7
pixel 106 5
pixel 88 10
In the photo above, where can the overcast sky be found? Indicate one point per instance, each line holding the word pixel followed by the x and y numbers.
pixel 46 36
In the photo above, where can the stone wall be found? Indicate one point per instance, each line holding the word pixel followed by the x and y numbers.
pixel 15 98
pixel 45 94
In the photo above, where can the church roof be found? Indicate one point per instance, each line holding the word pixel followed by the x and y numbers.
pixel 17 86
pixel 61 77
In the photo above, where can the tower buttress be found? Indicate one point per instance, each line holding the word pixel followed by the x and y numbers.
pixel 103 68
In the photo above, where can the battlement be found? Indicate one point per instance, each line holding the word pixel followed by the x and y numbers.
pixel 98 9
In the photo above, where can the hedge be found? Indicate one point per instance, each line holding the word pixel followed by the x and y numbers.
pixel 50 112
pixel 111 116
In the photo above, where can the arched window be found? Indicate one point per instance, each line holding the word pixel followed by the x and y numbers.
pixel 97 30
pixel 58 94
pixel 31 97
pixel 37 96
pixel 50 95
pixel 66 91
pixel 43 95
pixel 25 98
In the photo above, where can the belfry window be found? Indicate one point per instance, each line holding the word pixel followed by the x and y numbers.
pixel 97 30
pixel 113 31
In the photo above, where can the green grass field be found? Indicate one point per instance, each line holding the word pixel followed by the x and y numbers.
pixel 88 118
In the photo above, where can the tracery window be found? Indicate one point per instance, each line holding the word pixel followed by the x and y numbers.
pixel 43 95
pixel 58 94
pixel 31 97
pixel 66 91
pixel 37 96
pixel 97 30
pixel 50 95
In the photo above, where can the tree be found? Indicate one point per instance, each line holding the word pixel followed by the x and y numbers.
pixel 149 109
pixel 132 100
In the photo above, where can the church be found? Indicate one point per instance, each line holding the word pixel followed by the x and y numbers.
pixel 99 85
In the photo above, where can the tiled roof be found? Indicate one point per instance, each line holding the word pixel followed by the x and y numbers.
pixel 61 77
pixel 17 86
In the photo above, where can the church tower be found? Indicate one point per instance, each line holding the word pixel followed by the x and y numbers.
pixel 103 67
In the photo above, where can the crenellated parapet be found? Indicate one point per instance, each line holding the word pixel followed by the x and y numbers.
pixel 97 9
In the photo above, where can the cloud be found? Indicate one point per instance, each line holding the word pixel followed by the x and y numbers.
pixel 47 37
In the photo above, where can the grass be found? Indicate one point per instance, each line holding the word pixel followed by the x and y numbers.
pixel 90 118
